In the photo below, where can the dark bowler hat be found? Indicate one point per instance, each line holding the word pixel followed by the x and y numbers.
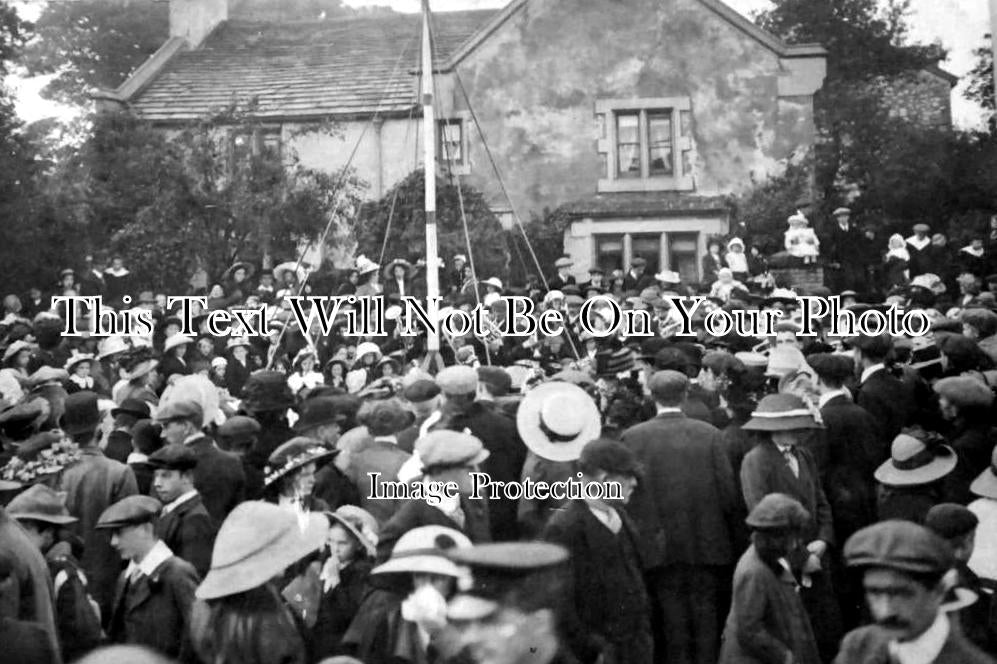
pixel 82 413
pixel 777 511
pixel 899 545
pixel 506 573
pixel 129 511
pixel 173 457
pixel 951 520
pixel 497 379
pixel 136 407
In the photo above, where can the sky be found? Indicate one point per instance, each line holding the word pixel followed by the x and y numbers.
pixel 958 24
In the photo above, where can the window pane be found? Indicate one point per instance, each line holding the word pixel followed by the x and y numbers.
pixel 659 129
pixel 270 144
pixel 628 144
pixel 682 255
pixel 648 247
pixel 609 252
pixel 451 141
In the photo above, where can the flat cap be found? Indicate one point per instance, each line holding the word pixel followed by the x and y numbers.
pixel 899 545
pixel 924 228
pixel 181 409
pixel 129 512
pixel 444 448
pixel 497 379
pixel 951 520
pixel 832 366
pixel 173 457
pixel 777 511
pixel 458 380
pixel 638 262
pixel 420 391
pixel 965 391
pixel 238 426
pixel 563 261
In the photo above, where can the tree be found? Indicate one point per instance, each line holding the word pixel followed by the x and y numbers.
pixel 403 209
pixel 981 82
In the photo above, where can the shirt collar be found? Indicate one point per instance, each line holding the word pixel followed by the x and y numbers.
pixel 157 555
pixel 184 497
pixel 668 410
pixel 871 370
pixel 925 648
pixel 191 438
pixel 827 396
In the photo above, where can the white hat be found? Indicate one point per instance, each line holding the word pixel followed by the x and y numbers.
pixel 176 340
pixel 423 551
pixel 669 277
pixel 365 265
pixel 494 282
pixel 797 219
pixel 368 347
pixel 557 419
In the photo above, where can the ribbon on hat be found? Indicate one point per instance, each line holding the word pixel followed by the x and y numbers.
pixel 555 437
pixel 919 460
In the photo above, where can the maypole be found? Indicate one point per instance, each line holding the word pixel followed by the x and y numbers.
pixel 429 146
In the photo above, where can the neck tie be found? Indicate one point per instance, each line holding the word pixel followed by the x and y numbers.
pixel 791 461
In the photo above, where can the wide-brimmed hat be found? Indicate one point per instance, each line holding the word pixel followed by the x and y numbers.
pixel 112 345
pixel 46 374
pixel 368 347
pixel 302 355
pixel 423 551
pixel 292 455
pixel 41 503
pixel 985 483
pixel 669 277
pixel 16 348
pixel 290 266
pixel 913 462
pixel 388 271
pixel 177 340
pixel 784 360
pixel 248 267
pixel 563 261
pixel 366 266
pixel 782 412
pixel 360 523
pixel 235 342
pixel 557 419
pixel 256 542
pixel 494 282
pixel 77 358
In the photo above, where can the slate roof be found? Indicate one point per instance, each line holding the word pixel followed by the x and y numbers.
pixel 643 204
pixel 300 70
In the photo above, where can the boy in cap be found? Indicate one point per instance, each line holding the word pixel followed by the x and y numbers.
pixel 563 276
pixel 155 594
pixel 767 620
pixel 184 524
pixel 611 609
pixel 903 566
pixel 957 526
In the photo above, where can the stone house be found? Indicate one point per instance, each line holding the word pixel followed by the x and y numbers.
pixel 635 117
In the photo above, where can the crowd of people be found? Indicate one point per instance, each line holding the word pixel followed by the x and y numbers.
pixel 172 497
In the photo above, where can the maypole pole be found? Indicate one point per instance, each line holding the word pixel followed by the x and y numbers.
pixel 429 147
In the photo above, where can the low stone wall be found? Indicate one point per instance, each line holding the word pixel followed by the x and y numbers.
pixel 801 279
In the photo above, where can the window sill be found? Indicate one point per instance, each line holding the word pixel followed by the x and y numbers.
pixel 608 186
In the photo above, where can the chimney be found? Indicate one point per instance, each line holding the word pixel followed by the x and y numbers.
pixel 194 20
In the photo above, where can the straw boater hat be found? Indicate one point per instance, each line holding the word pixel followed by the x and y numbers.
pixel 292 455
pixel 557 419
pixel 986 483
pixel 913 462
pixel 256 542
pixel 423 550
pixel 248 267
pixel 176 340
pixel 782 412
pixel 494 282
pixel 360 523
pixel 389 269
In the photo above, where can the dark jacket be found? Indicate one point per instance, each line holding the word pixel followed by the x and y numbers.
pixel 973 444
pixel 853 450
pixel 870 645
pixel 154 611
pixel 171 365
pixel 688 492
pixel 334 487
pixel 767 620
pixel 766 471
pixel 28 594
pixel 610 602
pixel 76 614
pixel 119 445
pixel 189 532
pixel 25 642
pixel 881 395
pixel 416 513
pixel 338 608
pixel 218 477
pixel 236 375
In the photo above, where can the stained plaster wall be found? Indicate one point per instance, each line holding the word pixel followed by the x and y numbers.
pixel 535 81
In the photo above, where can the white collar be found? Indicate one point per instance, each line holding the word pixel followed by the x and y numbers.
pixel 973 252
pixel 921 243
pixel 116 272
pixel 871 370
pixel 784 449
pixel 925 648
pixel 668 410
pixel 824 398
pixel 157 555
pixel 844 227
pixel 181 499
pixel 607 517
pixel 136 457
pixel 191 438
pixel 386 439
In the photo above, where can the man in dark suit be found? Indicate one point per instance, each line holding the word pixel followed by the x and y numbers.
pixel 155 594
pixel 563 276
pixel 690 495
pixel 184 524
pixel 446 456
pixel 218 476
pixel 636 280
pixel 902 566
pixel 846 250
pixel 880 393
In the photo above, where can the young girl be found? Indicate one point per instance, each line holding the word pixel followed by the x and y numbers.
pixel 897 259
pixel 801 241
pixel 78 368
pixel 737 260
pixel 304 376
pixel 352 545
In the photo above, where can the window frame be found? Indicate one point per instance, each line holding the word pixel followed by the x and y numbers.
pixel 679 109
pixel 463 165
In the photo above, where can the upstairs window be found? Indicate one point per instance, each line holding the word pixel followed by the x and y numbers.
pixel 450 141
